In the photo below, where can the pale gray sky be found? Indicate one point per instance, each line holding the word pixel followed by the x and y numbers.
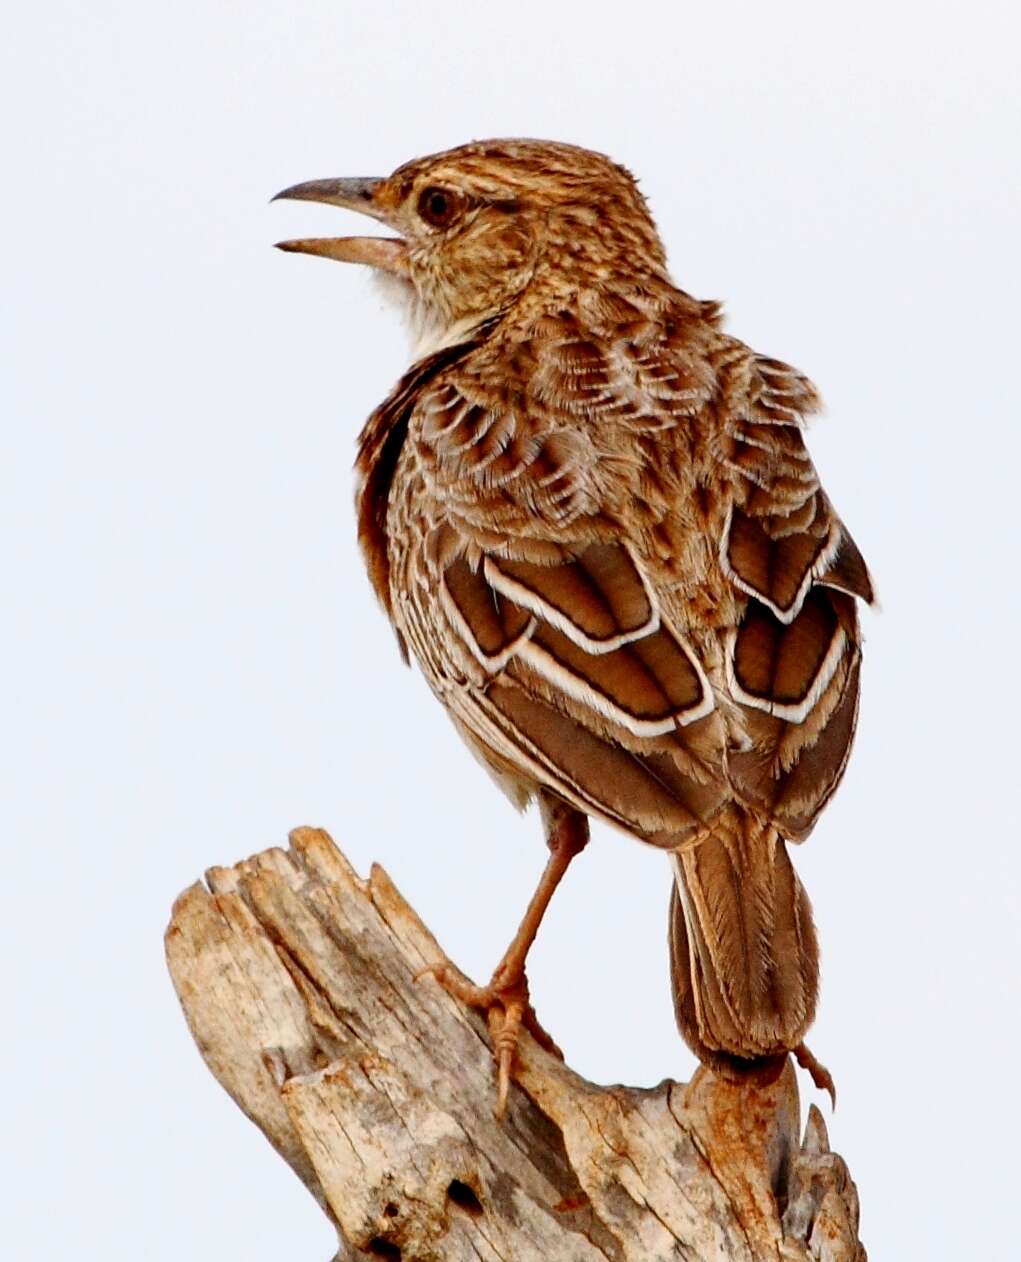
pixel 194 662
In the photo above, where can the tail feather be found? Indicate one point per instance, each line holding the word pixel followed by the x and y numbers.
pixel 744 957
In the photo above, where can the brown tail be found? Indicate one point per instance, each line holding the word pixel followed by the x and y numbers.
pixel 743 955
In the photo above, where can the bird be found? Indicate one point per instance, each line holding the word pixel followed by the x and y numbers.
pixel 591 517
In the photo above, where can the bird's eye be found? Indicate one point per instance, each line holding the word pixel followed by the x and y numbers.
pixel 437 206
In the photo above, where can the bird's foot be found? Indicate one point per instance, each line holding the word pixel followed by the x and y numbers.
pixel 818 1072
pixel 508 1009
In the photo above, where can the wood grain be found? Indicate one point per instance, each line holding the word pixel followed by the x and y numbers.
pixel 296 977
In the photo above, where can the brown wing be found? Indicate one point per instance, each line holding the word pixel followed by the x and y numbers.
pixel 527 599
pixel 607 570
pixel 793 657
pixel 586 688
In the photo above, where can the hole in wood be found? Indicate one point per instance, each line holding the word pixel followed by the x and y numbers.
pixel 464 1197
pixel 380 1248
pixel 391 1210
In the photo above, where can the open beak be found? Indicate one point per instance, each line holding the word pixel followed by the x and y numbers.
pixel 388 254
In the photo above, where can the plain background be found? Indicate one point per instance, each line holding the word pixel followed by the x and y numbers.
pixel 193 661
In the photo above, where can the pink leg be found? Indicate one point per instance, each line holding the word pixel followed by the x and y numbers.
pixel 818 1072
pixel 566 835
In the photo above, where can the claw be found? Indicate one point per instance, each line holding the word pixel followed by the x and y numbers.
pixel 456 984
pixel 508 1009
pixel 505 1044
pixel 817 1071
pixel 545 1040
pixel 506 996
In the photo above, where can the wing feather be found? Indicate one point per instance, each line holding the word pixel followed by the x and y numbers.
pixel 598 599
pixel 631 587
pixel 793 656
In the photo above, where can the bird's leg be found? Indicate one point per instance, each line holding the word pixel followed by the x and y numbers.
pixel 507 993
pixel 818 1072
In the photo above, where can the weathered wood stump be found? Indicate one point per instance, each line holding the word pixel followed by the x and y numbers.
pixel 297 980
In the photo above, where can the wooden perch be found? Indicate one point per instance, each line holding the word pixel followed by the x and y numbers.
pixel 297 980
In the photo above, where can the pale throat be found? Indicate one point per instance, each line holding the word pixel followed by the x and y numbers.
pixel 428 331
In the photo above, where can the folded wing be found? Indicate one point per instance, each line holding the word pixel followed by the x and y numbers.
pixel 793 657
pixel 546 565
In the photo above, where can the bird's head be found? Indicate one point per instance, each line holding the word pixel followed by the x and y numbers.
pixel 481 225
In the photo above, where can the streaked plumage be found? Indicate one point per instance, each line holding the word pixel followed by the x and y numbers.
pixel 592 520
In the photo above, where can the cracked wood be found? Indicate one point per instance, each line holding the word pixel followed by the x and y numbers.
pixel 296 978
